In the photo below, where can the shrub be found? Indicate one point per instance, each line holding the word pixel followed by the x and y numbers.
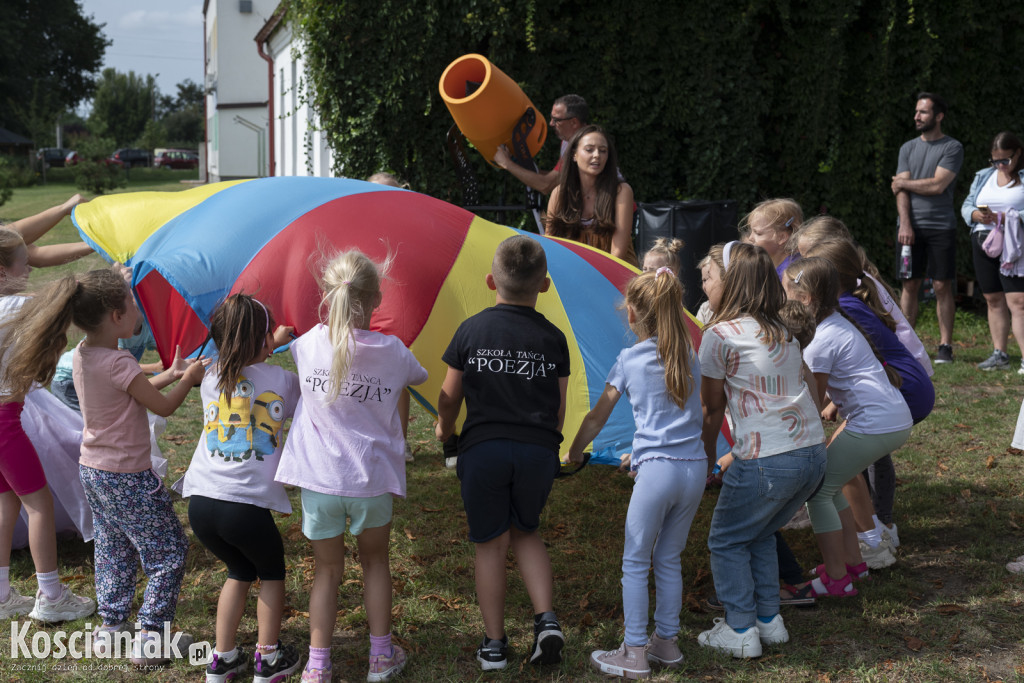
pixel 92 173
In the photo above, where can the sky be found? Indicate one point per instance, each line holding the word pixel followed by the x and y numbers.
pixel 159 37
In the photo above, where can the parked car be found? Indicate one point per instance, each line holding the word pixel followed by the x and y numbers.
pixel 52 156
pixel 176 158
pixel 128 156
pixel 71 159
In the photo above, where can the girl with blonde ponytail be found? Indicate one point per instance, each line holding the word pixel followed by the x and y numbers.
pixel 346 451
pixel 660 376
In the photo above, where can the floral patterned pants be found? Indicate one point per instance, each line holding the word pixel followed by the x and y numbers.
pixel 133 520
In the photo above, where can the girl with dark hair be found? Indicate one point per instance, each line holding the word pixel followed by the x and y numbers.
pixel 590 203
pixel 860 300
pixel 877 419
pixel 997 190
pixel 230 483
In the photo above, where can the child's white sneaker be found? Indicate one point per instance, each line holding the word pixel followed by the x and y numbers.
pixel 892 535
pixel 107 641
pixel 774 632
pixel 724 639
pixel 67 607
pixel 879 556
pixel 15 605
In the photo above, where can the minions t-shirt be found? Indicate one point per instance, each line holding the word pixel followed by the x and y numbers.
pixel 238 453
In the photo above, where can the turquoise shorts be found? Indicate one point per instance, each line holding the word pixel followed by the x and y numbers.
pixel 325 516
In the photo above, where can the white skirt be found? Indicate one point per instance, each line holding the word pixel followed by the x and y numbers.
pixel 55 431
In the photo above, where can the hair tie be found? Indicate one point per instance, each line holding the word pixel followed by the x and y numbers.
pixel 346 282
pixel 725 254
pixel 663 269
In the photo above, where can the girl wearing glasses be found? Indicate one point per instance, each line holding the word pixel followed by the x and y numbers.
pixel 996 190
pixel 590 203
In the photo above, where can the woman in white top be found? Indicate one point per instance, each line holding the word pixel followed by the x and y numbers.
pixel 995 190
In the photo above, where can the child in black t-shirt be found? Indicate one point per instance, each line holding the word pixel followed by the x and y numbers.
pixel 512 367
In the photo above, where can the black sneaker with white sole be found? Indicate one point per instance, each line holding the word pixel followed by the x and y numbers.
pixel 547 640
pixel 492 654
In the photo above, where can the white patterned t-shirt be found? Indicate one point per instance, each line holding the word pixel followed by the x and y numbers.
pixel 769 402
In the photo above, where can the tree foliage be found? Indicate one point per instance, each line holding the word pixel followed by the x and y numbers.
pixel 48 54
pixel 740 100
pixel 92 172
pixel 182 115
pixel 122 105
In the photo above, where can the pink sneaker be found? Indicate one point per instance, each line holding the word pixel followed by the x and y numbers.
pixel 664 651
pixel 383 667
pixel 629 662
pixel 317 675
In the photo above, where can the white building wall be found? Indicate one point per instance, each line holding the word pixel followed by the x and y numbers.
pixel 300 148
pixel 237 87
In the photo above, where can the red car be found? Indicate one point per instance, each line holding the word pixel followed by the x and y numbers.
pixel 176 158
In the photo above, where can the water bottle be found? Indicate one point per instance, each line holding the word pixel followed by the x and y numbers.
pixel 906 266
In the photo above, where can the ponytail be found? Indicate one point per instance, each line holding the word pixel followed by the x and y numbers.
pixel 351 286
pixel 657 301
pixel 36 336
pixel 894 376
pixel 239 329
pixel 850 265
pixel 819 280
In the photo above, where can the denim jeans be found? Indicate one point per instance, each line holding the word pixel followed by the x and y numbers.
pixel 758 497
pixel 665 498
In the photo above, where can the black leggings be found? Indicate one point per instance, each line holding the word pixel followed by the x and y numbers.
pixel 242 536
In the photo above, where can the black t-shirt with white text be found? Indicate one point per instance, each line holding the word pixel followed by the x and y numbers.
pixel 511 358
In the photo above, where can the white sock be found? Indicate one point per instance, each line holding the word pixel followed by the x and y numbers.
pixel 879 525
pixel 49 584
pixel 5 583
pixel 229 656
pixel 873 538
pixel 268 653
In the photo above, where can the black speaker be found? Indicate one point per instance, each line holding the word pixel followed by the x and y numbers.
pixel 698 223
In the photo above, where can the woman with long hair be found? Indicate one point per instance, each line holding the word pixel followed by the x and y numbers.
pixel 591 204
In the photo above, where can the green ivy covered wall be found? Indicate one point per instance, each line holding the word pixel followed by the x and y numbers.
pixel 705 99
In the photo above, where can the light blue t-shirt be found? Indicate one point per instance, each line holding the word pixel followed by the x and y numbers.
pixel 662 429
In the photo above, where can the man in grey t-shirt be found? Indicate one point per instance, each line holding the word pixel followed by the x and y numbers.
pixel 923 185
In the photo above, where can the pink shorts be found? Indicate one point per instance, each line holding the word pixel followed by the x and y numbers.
pixel 20 469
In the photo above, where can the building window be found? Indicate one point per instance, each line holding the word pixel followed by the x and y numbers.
pixel 245 6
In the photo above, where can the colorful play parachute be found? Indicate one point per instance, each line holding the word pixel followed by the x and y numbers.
pixel 270 237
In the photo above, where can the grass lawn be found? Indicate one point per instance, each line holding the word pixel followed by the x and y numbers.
pixel 947 611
